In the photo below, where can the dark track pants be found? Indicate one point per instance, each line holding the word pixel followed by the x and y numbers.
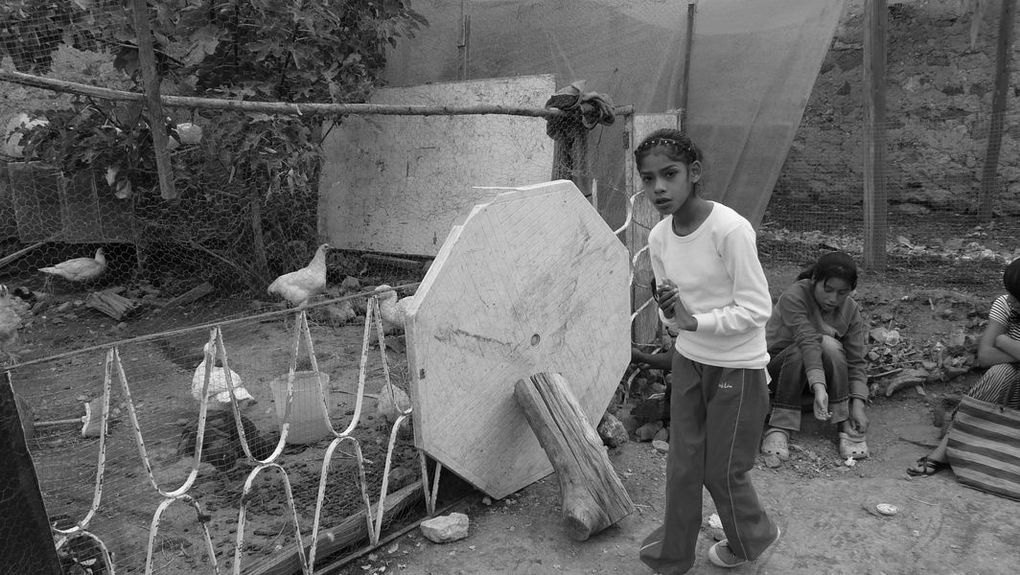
pixel 717 415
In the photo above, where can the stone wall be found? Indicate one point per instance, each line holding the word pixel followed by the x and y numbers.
pixel 939 102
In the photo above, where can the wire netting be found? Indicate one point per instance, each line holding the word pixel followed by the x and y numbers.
pixel 941 66
pixel 85 469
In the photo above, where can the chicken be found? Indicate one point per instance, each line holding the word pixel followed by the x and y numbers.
pixel 12 312
pixel 299 286
pixel 79 269
pixel 391 402
pixel 219 390
pixel 393 311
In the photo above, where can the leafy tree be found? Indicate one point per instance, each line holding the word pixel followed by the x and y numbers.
pixel 254 166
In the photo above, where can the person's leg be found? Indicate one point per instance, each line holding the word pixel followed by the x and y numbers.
pixel 737 402
pixel 997 385
pixel 837 381
pixel 671 547
pixel 788 381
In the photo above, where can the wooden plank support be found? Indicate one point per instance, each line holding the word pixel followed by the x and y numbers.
pixel 645 329
pixel 154 105
pixel 26 543
pixel 876 201
pixel 593 497
pixel 350 531
pixel 1000 97
pixel 685 75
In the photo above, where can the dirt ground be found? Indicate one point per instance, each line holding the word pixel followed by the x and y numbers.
pixel 823 507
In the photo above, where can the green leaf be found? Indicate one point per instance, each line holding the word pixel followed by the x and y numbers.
pixel 204 42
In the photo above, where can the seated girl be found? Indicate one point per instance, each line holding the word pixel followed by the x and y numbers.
pixel 816 342
pixel 999 351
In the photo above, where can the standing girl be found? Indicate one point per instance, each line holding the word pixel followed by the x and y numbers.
pixel 713 292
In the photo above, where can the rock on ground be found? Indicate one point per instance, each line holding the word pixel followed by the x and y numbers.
pixel 445 528
pixel 612 431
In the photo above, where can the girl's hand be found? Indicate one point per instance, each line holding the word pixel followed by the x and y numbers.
pixel 667 296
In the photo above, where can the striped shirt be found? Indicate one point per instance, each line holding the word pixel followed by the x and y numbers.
pixel 1005 315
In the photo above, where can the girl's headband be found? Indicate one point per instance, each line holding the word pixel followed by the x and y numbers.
pixel 678 146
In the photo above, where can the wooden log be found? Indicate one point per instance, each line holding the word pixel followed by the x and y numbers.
pixel 111 303
pixel 348 532
pixel 593 497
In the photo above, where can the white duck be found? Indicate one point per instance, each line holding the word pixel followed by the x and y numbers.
pixel 219 391
pixel 79 269
pixel 299 286
pixel 392 310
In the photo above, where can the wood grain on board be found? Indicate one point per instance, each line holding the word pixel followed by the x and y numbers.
pixel 533 281
pixel 646 324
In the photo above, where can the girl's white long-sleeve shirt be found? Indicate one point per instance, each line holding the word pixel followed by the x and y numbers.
pixel 722 284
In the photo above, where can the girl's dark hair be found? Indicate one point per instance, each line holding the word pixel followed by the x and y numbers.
pixel 677 146
pixel 837 265
pixel 1011 278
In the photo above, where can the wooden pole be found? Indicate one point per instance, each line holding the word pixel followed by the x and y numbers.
pixel 465 40
pixel 284 108
pixel 1004 48
pixel 26 543
pixel 685 77
pixel 644 217
pixel 349 531
pixel 593 497
pixel 154 106
pixel 876 211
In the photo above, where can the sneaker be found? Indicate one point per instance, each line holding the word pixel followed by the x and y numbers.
pixel 721 556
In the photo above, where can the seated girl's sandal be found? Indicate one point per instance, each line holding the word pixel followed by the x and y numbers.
pixel 776 443
pixel 926 467
pixel 855 446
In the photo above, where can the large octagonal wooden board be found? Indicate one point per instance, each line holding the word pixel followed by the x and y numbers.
pixel 533 281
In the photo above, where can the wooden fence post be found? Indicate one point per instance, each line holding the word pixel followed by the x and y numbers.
pixel 876 202
pixel 154 105
pixel 26 543
pixel 1000 96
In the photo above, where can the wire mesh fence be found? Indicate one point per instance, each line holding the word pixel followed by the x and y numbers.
pixel 939 128
pixel 132 463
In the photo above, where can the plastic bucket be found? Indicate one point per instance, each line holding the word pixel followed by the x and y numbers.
pixel 307 425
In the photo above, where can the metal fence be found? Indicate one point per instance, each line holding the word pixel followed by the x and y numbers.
pixel 143 467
